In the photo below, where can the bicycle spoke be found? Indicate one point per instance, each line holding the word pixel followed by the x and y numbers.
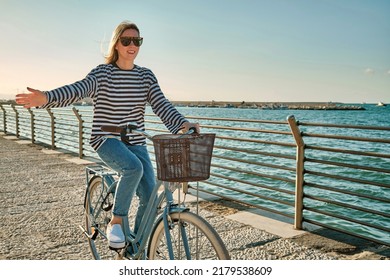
pixel 191 237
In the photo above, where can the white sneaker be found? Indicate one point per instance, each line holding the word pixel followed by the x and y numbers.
pixel 116 238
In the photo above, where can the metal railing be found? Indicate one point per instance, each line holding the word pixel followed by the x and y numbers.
pixel 344 182
pixel 306 173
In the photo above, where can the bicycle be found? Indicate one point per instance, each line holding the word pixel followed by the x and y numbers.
pixel 168 230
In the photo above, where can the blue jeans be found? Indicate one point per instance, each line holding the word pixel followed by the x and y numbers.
pixel 136 175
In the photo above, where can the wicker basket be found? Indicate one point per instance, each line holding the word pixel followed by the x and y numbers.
pixel 184 158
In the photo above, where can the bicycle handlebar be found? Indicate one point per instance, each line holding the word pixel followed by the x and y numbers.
pixel 129 128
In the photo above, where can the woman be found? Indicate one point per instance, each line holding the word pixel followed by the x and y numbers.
pixel 119 90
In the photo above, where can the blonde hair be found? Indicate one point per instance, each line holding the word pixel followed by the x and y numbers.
pixel 112 55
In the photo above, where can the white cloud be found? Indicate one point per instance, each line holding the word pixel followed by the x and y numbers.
pixel 369 71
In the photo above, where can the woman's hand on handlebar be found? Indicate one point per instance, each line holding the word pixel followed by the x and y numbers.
pixel 188 125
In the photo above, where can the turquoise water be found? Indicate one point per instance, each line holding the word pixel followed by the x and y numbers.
pixel 372 116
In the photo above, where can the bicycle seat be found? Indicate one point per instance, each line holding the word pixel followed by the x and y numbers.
pixel 119 129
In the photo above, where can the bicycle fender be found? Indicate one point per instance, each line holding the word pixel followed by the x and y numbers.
pixel 161 217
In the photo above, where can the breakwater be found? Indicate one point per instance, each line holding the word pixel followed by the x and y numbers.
pixel 248 105
pixel 269 105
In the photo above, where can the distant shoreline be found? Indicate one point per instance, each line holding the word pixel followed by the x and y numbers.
pixel 269 105
pixel 252 105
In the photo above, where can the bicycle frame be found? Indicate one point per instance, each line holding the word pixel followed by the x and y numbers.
pixel 136 244
pixel 149 220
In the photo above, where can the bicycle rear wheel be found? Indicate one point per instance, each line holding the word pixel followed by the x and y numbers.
pixel 97 216
pixel 203 241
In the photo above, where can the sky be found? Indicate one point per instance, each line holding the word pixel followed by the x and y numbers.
pixel 222 50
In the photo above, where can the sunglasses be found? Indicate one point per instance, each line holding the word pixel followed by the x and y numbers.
pixel 126 41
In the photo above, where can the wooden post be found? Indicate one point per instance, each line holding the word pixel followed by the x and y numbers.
pixel 76 112
pixel 300 170
pixel 16 120
pixel 4 120
pixel 52 120
pixel 32 124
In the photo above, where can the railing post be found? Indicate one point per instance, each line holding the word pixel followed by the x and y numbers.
pixel 4 120
pixel 76 112
pixel 16 120
pixel 300 170
pixel 32 123
pixel 52 120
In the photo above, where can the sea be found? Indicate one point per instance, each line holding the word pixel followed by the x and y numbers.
pixel 372 115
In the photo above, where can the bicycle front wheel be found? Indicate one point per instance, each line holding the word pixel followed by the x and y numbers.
pixel 191 237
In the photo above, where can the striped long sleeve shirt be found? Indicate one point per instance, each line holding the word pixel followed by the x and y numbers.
pixel 119 96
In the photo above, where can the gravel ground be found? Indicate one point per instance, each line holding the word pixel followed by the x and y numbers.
pixel 41 208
